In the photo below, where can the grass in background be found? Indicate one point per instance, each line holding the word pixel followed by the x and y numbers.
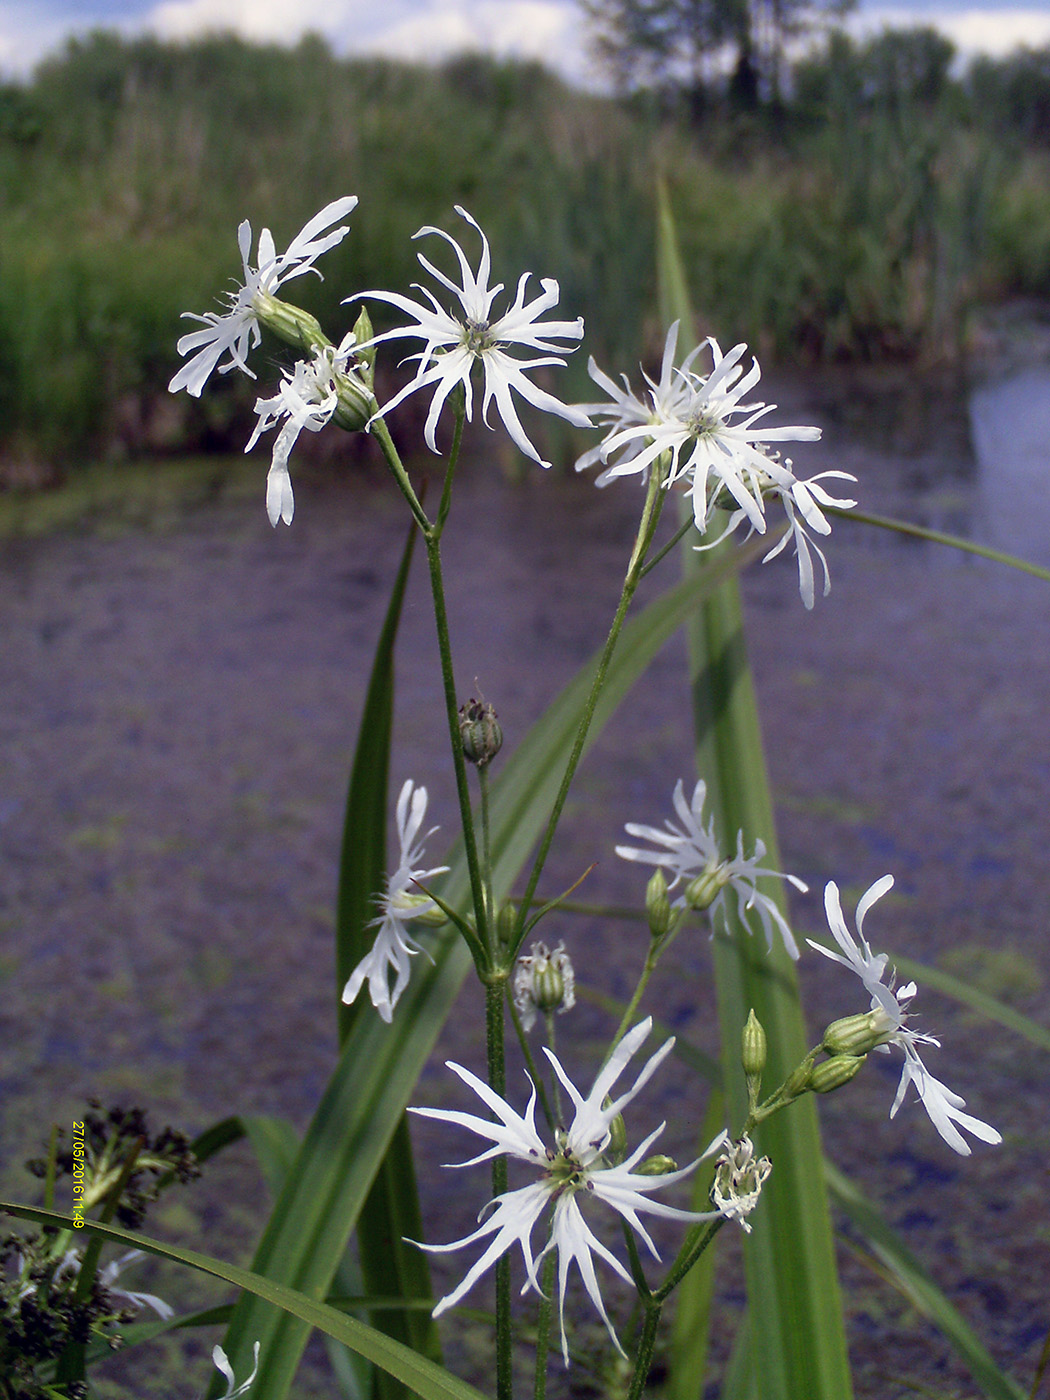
pixel 125 168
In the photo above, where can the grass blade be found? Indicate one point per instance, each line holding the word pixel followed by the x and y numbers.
pixel 795 1307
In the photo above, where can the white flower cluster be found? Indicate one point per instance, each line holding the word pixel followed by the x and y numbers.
pixel 575 1169
pixel 717 448
pixel 690 852
pixel 890 1003
pixel 401 905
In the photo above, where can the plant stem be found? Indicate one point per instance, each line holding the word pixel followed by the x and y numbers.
pixel 543 1326
pixel 644 1358
pixel 486 861
pixel 646 528
pixel 494 991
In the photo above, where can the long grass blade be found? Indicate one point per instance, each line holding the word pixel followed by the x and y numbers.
pixel 421 1376
pixel 797 1330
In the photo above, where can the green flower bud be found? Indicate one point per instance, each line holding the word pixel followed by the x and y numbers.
pixel 657 904
pixel 617 1148
pixel 480 732
pixel 355 402
pixel 289 323
pixel 798 1080
pixel 855 1035
pixel 702 892
pixel 832 1074
pixel 753 1048
pixel 657 1166
pixel 506 919
pixel 366 358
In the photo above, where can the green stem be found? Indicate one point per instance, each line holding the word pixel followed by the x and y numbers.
pixel 646 1344
pixel 698 1239
pixel 486 860
pixel 905 527
pixel 494 993
pixel 676 538
pixel 543 1326
pixel 381 433
pixel 657 946
pixel 646 528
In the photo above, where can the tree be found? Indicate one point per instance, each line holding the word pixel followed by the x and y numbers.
pixel 697 44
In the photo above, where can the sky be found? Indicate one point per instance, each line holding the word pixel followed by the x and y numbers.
pixel 550 30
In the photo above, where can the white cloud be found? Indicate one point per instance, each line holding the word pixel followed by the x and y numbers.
pixel 990 31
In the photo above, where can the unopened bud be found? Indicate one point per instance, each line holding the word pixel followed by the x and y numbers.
pixel 506 921
pixel 366 358
pixel 657 904
pixel 702 892
pixel 832 1074
pixel 855 1035
pixel 543 981
pixel 798 1080
pixel 657 1166
pixel 753 1048
pixel 617 1147
pixel 289 323
pixel 479 732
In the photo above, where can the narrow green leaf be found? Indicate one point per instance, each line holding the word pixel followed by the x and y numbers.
pixel 421 1376
pixel 391 1214
pixel 920 532
pixel 920 1289
pixel 377 1071
pixel 794 1302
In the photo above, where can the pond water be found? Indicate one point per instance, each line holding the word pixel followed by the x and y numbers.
pixel 177 712
pixel 1011 438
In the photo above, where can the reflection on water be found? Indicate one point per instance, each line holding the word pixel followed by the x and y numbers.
pixel 1011 439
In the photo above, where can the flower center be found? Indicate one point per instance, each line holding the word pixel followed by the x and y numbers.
pixel 705 423
pixel 565 1173
pixel 478 337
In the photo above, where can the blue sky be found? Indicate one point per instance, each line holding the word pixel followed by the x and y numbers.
pixel 552 30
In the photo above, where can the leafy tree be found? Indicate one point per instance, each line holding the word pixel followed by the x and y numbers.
pixel 699 44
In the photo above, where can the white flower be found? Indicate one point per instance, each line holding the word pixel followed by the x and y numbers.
pixel 453 342
pixel 543 981
pixel 801 501
pixel 307 398
pixel 222 1363
pixel 236 331
pixel 569 1172
pixel 709 451
pixel 393 948
pixel 739 1176
pixel 626 410
pixel 889 1005
pixel 690 852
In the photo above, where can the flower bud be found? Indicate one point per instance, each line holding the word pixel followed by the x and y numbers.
pixel 354 401
pixel 659 1165
pixel 506 919
pixel 855 1035
pixel 657 904
pixel 366 358
pixel 702 892
pixel 289 323
pixel 617 1148
pixel 543 981
pixel 832 1074
pixel 479 732
pixel 798 1080
pixel 753 1049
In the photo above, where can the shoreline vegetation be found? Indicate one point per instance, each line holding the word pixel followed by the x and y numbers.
pixel 862 220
